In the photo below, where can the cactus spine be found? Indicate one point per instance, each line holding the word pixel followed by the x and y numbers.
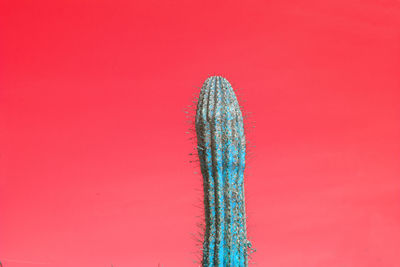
pixel 221 147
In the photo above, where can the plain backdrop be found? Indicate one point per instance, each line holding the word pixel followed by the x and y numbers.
pixel 94 158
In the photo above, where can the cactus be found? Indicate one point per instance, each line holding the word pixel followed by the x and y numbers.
pixel 221 147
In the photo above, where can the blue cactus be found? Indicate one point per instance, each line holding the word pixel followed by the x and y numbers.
pixel 221 147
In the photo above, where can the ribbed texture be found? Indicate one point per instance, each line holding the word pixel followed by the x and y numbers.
pixel 222 149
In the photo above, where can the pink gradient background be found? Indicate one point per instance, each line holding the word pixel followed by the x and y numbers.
pixel 94 165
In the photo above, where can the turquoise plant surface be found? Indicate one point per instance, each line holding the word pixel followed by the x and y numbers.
pixel 221 147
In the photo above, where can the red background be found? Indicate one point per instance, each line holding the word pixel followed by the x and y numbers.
pixel 94 165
